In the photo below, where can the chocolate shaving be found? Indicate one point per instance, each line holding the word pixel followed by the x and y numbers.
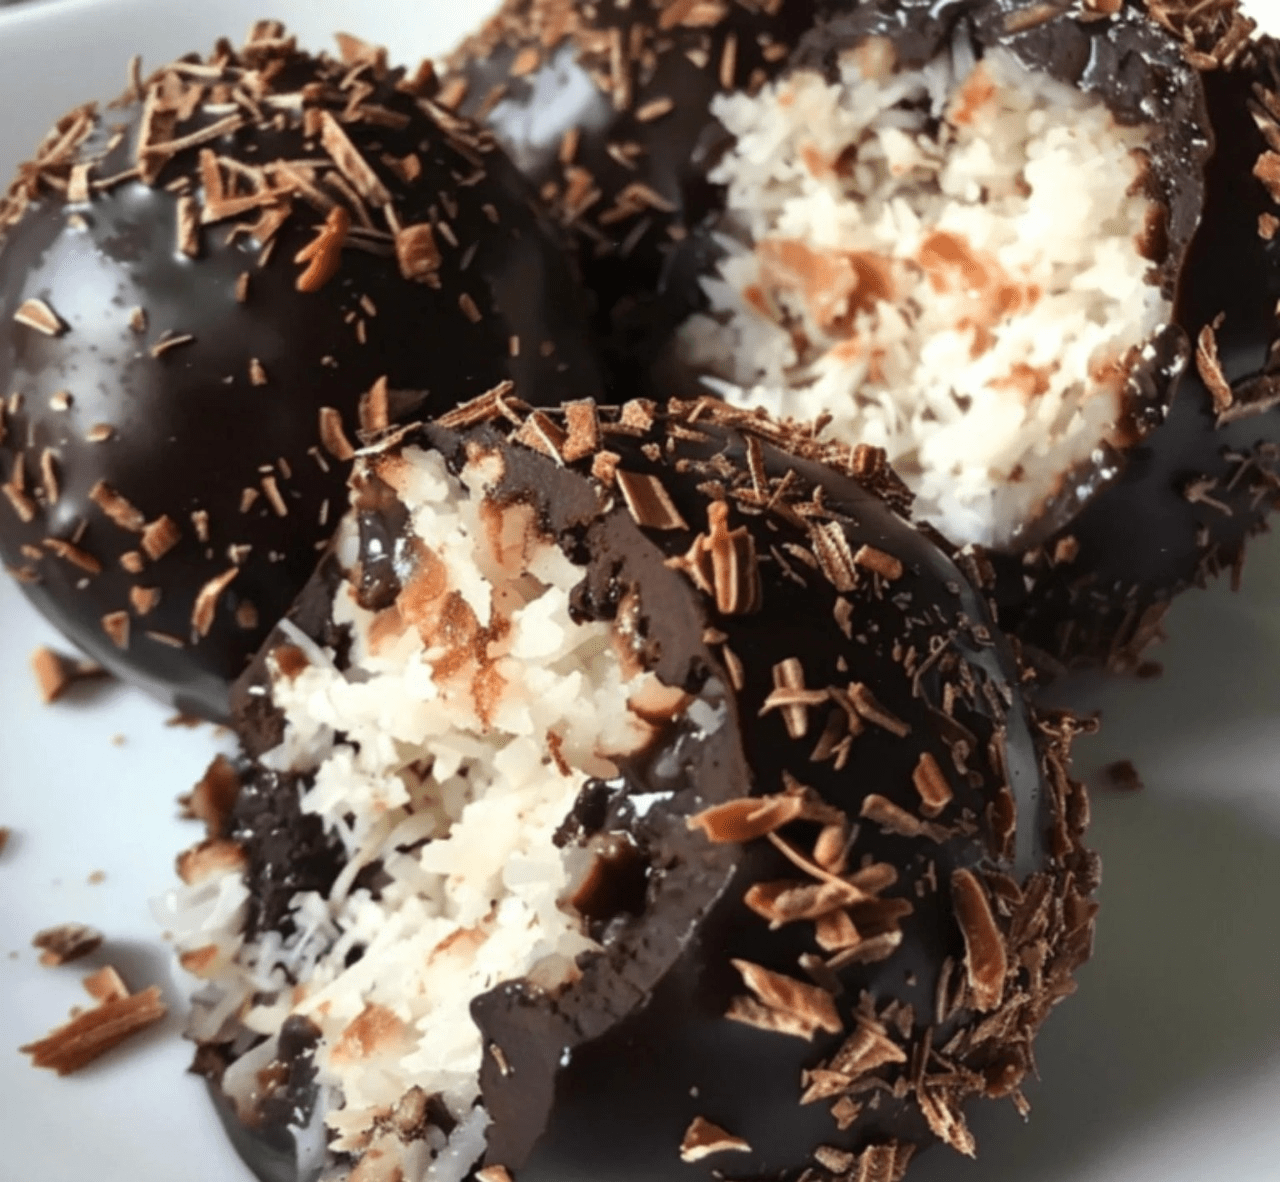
pixel 351 163
pixel 106 984
pixel 930 782
pixel 1267 170
pixel 876 560
pixel 747 819
pixel 783 902
pixel 188 227
pixel 1253 397
pixel 323 255
pixel 94 1033
pixel 582 424
pixel 37 314
pixel 792 1007
pixel 791 697
pixel 417 253
pixel 895 819
pixel 375 408
pixel 1210 368
pixel 869 708
pixel 206 603
pixel 271 490
pixel 144 600
pixel 159 537
pixel 49 476
pixel 649 502
pixel 332 436
pixel 985 958
pixel 169 341
pixel 735 568
pixel 702 1139
pixel 116 626
pixel 72 554
pixel 117 507
pixel 484 408
pixel 541 433
pixel 55 673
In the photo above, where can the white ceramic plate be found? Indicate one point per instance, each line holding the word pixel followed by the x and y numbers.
pixel 1165 1067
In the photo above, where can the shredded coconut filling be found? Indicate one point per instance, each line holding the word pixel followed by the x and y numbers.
pixel 947 263
pixel 445 757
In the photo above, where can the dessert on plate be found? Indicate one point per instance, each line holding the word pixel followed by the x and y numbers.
pixel 627 797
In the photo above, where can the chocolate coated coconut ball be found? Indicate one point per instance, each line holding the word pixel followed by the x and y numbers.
pixel 627 798
pixel 1191 494
pixel 957 234
pixel 208 290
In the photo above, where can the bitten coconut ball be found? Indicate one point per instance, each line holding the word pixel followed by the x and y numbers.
pixel 959 238
pixel 604 105
pixel 207 291
pixel 627 798
pixel 1195 490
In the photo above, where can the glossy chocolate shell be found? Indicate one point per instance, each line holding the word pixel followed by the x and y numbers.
pixel 1186 499
pixel 205 292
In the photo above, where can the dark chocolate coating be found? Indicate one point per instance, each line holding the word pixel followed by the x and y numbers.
pixel 537 72
pixel 606 1075
pixel 1195 490
pixel 191 428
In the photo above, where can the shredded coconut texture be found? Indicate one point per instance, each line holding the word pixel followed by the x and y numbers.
pixel 446 756
pixel 946 262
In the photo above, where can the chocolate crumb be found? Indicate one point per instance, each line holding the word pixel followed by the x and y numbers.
pixel 1123 775
pixel 66 942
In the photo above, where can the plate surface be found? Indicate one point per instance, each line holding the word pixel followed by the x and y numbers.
pixel 1165 1067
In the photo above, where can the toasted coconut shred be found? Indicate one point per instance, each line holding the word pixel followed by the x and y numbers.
pixel 444 756
pixel 946 262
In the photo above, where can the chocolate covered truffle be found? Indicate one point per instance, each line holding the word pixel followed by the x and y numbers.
pixel 957 233
pixel 629 798
pixel 605 106
pixel 208 290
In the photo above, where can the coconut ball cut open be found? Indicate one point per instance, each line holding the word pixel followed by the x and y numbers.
pixel 959 238
pixel 627 797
